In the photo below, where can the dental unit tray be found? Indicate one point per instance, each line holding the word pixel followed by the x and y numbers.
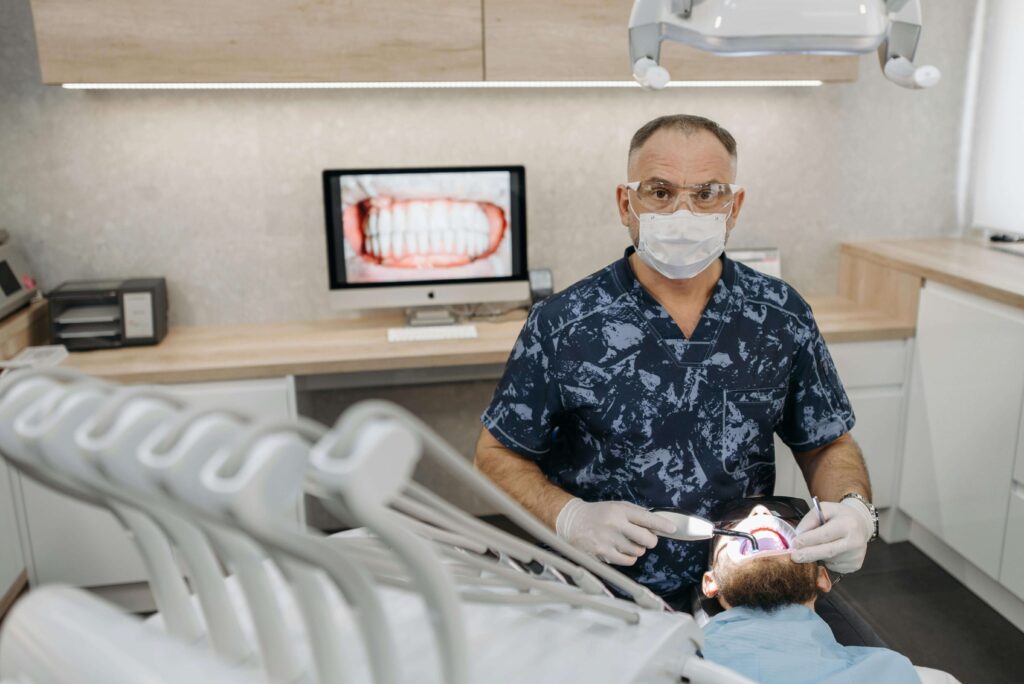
pixel 770 27
pixel 419 590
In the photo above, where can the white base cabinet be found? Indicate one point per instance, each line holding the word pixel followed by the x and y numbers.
pixel 963 424
pixel 74 543
pixel 12 562
pixel 873 374
pixel 1011 573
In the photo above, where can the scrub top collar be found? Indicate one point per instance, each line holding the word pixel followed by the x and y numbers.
pixel 685 350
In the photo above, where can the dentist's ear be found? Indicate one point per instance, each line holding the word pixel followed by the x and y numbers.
pixel 824 581
pixel 737 206
pixel 708 585
pixel 622 201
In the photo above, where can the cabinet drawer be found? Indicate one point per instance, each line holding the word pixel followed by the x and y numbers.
pixel 270 398
pixel 1011 574
pixel 870 364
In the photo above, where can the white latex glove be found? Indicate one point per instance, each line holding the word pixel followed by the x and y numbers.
pixel 615 531
pixel 842 542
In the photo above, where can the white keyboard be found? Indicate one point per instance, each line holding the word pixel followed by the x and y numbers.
pixel 430 333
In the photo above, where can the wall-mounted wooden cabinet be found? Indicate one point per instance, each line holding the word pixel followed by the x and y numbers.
pixel 155 41
pixel 191 41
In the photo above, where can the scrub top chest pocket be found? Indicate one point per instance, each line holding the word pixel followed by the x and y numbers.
pixel 749 420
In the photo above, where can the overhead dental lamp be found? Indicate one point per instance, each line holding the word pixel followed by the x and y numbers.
pixel 770 27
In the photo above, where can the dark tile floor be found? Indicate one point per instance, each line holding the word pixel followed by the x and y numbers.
pixel 921 611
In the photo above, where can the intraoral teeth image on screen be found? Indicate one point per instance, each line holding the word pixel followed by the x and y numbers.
pixel 425 226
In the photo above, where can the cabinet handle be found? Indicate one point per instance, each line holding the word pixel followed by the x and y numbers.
pixel 1017 490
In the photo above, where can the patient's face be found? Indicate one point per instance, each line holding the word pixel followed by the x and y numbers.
pixel 767 579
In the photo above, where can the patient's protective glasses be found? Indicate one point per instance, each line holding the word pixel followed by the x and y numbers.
pixel 659 196
pixel 788 508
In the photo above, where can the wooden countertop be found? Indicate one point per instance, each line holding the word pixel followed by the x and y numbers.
pixel 964 263
pixel 233 352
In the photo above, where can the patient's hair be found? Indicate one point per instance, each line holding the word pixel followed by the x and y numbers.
pixel 766 583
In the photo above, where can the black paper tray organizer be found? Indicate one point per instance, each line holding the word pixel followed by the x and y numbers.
pixel 104 314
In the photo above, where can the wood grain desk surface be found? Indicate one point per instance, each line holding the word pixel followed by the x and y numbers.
pixel 234 352
pixel 965 263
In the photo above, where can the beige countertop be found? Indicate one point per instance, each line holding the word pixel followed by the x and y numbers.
pixel 232 352
pixel 878 303
pixel 964 263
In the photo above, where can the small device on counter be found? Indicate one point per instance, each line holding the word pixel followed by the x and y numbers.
pixel 542 284
pixel 17 287
pixel 1008 242
pixel 104 314
pixel 766 260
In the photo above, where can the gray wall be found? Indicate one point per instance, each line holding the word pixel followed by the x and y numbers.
pixel 220 191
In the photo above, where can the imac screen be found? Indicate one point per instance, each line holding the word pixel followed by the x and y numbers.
pixel 425 225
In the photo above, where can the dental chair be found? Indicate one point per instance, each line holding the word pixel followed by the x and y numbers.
pixel 420 590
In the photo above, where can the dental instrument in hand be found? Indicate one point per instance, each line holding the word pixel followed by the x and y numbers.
pixel 834 576
pixel 817 507
pixel 695 528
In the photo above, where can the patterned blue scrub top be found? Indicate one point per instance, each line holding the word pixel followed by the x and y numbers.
pixel 610 399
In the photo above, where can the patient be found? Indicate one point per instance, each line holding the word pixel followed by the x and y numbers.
pixel 769 630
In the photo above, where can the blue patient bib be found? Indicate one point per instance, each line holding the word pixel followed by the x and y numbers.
pixel 792 645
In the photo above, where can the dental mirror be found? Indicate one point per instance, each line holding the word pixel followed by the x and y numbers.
pixel 694 528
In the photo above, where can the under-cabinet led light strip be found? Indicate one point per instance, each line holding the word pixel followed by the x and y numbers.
pixel 395 85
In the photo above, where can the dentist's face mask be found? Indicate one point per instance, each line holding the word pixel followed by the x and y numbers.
pixel 683 243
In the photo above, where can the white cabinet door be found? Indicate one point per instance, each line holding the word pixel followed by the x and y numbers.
pixel 963 415
pixel 11 560
pixel 879 419
pixel 873 375
pixel 272 398
pixel 78 544
pixel 1011 574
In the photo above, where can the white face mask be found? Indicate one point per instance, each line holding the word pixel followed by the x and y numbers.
pixel 683 244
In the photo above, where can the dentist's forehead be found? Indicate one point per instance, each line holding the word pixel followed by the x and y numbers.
pixel 683 158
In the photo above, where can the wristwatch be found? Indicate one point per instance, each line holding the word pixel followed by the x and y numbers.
pixel 871 509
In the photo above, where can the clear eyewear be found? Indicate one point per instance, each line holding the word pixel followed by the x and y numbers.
pixel 662 197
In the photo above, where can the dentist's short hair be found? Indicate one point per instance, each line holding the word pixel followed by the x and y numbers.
pixel 684 123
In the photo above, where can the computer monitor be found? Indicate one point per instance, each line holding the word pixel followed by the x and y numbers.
pixel 421 237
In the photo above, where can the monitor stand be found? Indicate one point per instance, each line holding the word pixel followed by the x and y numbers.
pixel 431 316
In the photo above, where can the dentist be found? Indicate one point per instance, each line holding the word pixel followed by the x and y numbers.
pixel 660 380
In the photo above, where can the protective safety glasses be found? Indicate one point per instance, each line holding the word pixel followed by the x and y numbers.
pixel 788 508
pixel 659 196
pixel 766 525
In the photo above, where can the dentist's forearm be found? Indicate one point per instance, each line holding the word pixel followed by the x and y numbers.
pixel 835 469
pixel 521 478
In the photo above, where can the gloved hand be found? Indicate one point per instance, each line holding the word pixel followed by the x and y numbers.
pixel 615 531
pixel 842 542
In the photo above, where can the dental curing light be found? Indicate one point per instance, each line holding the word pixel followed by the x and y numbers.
pixel 771 27
pixel 694 528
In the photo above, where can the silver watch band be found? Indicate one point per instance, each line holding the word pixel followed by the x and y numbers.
pixel 871 509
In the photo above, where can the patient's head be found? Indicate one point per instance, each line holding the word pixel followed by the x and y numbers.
pixel 767 578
